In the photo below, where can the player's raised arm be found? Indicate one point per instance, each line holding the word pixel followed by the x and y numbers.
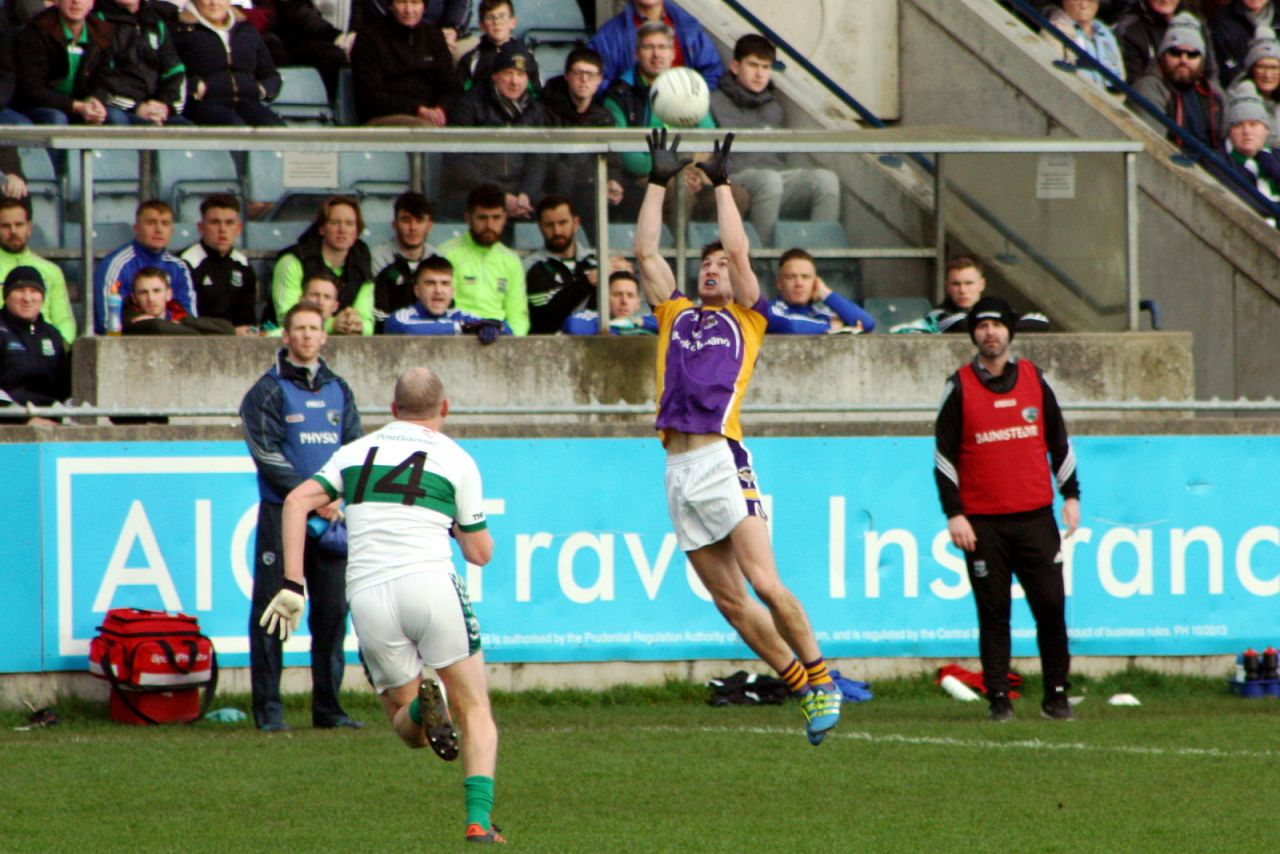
pixel 733 236
pixel 659 281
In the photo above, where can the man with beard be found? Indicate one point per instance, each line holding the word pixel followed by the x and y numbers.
pixel 1178 83
pixel 997 431
pixel 561 276
pixel 488 277
pixel 15 233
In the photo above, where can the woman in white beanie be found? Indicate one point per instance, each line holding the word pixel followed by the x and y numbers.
pixel 1077 19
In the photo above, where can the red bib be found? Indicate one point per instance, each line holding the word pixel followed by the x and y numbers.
pixel 1003 466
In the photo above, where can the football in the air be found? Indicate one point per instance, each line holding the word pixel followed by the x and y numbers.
pixel 679 97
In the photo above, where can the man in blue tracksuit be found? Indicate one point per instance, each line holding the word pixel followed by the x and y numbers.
pixel 113 276
pixel 295 417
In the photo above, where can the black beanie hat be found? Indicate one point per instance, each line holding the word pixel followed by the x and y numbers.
pixel 23 277
pixel 992 308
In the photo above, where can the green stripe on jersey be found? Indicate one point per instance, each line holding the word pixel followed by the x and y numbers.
pixel 328 487
pixel 429 490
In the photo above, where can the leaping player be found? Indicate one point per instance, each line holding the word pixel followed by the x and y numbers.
pixel 705 357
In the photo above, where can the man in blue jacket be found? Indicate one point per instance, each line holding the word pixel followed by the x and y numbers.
pixel 295 417
pixel 616 40
pixel 432 312
pixel 152 231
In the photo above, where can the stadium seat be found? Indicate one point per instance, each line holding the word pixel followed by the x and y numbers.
pixel 622 238
pixel 442 232
pixel 302 99
pixel 843 275
pixel 44 191
pixel 890 311
pixel 271 236
pixel 377 231
pixel 550 15
pixel 184 235
pixel 377 210
pixel 345 110
pixel 115 172
pixel 551 55
pixel 184 178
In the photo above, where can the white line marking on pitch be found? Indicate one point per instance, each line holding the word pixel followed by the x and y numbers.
pixel 983 743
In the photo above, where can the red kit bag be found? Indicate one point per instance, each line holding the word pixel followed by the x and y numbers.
pixel 157 664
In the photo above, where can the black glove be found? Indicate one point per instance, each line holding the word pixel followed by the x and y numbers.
pixel 665 165
pixel 716 167
pixel 486 330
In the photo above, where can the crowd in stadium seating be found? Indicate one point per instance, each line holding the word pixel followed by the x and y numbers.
pixel 419 63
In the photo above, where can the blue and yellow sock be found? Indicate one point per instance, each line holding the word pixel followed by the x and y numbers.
pixel 795 677
pixel 818 673
pixel 479 792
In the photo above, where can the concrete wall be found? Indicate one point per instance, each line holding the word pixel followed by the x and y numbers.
pixel 1213 265
pixel 163 373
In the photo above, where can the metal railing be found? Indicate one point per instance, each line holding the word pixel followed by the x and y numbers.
pixel 597 142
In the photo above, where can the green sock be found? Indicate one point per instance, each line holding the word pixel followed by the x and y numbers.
pixel 479 800
pixel 415 712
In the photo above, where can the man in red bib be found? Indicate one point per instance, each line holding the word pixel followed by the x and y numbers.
pixel 998 432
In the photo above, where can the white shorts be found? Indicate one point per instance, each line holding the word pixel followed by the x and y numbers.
pixel 416 619
pixel 709 491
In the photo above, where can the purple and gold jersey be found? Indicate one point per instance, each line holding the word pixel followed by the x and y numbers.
pixel 706 363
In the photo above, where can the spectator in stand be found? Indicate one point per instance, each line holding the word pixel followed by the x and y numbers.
pixel 8 78
pixel 561 276
pixel 1246 147
pixel 396 262
pixel 331 243
pixel 225 284
pixel 402 70
pixel 13 185
pixel 146 82
pixel 964 286
pixel 746 99
pixel 62 57
pixel 1232 28
pixel 1140 33
pixel 322 289
pixel 308 39
pixel 35 367
pixel 15 234
pixel 628 100
pixel 453 17
pixel 432 312
pixel 113 276
pixel 230 74
pixel 152 310
pixel 576 99
pixel 505 101
pixel 806 306
pixel 1078 20
pixel 1262 65
pixel 691 45
pixel 1179 84
pixel 498 24
pixel 488 278
pixel 624 311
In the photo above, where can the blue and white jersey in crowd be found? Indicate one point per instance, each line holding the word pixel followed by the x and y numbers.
pixel 416 320
pixel 587 322
pixel 815 317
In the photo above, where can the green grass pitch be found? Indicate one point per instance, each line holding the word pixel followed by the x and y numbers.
pixel 656 769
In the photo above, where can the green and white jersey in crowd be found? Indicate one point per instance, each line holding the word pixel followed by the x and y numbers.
pixel 404 486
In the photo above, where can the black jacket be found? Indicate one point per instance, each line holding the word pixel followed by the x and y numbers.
pixel 1232 31
pixel 357 270
pixel 299 21
pixel 8 76
pixel 398 69
pixel 225 285
pixel 555 291
pixel 555 95
pixel 40 54
pixel 145 61
pixel 441 13
pixel 514 173
pixel 228 79
pixel 34 364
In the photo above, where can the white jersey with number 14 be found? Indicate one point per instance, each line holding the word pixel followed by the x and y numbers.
pixel 403 487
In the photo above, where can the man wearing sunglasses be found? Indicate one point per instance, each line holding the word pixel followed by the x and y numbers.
pixel 1177 82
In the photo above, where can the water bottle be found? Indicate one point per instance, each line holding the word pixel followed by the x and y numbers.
pixel 1270 663
pixel 1251 670
pixel 317 525
pixel 1240 668
pixel 114 307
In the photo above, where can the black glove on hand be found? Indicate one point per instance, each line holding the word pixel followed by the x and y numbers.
pixel 486 330
pixel 716 167
pixel 665 164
